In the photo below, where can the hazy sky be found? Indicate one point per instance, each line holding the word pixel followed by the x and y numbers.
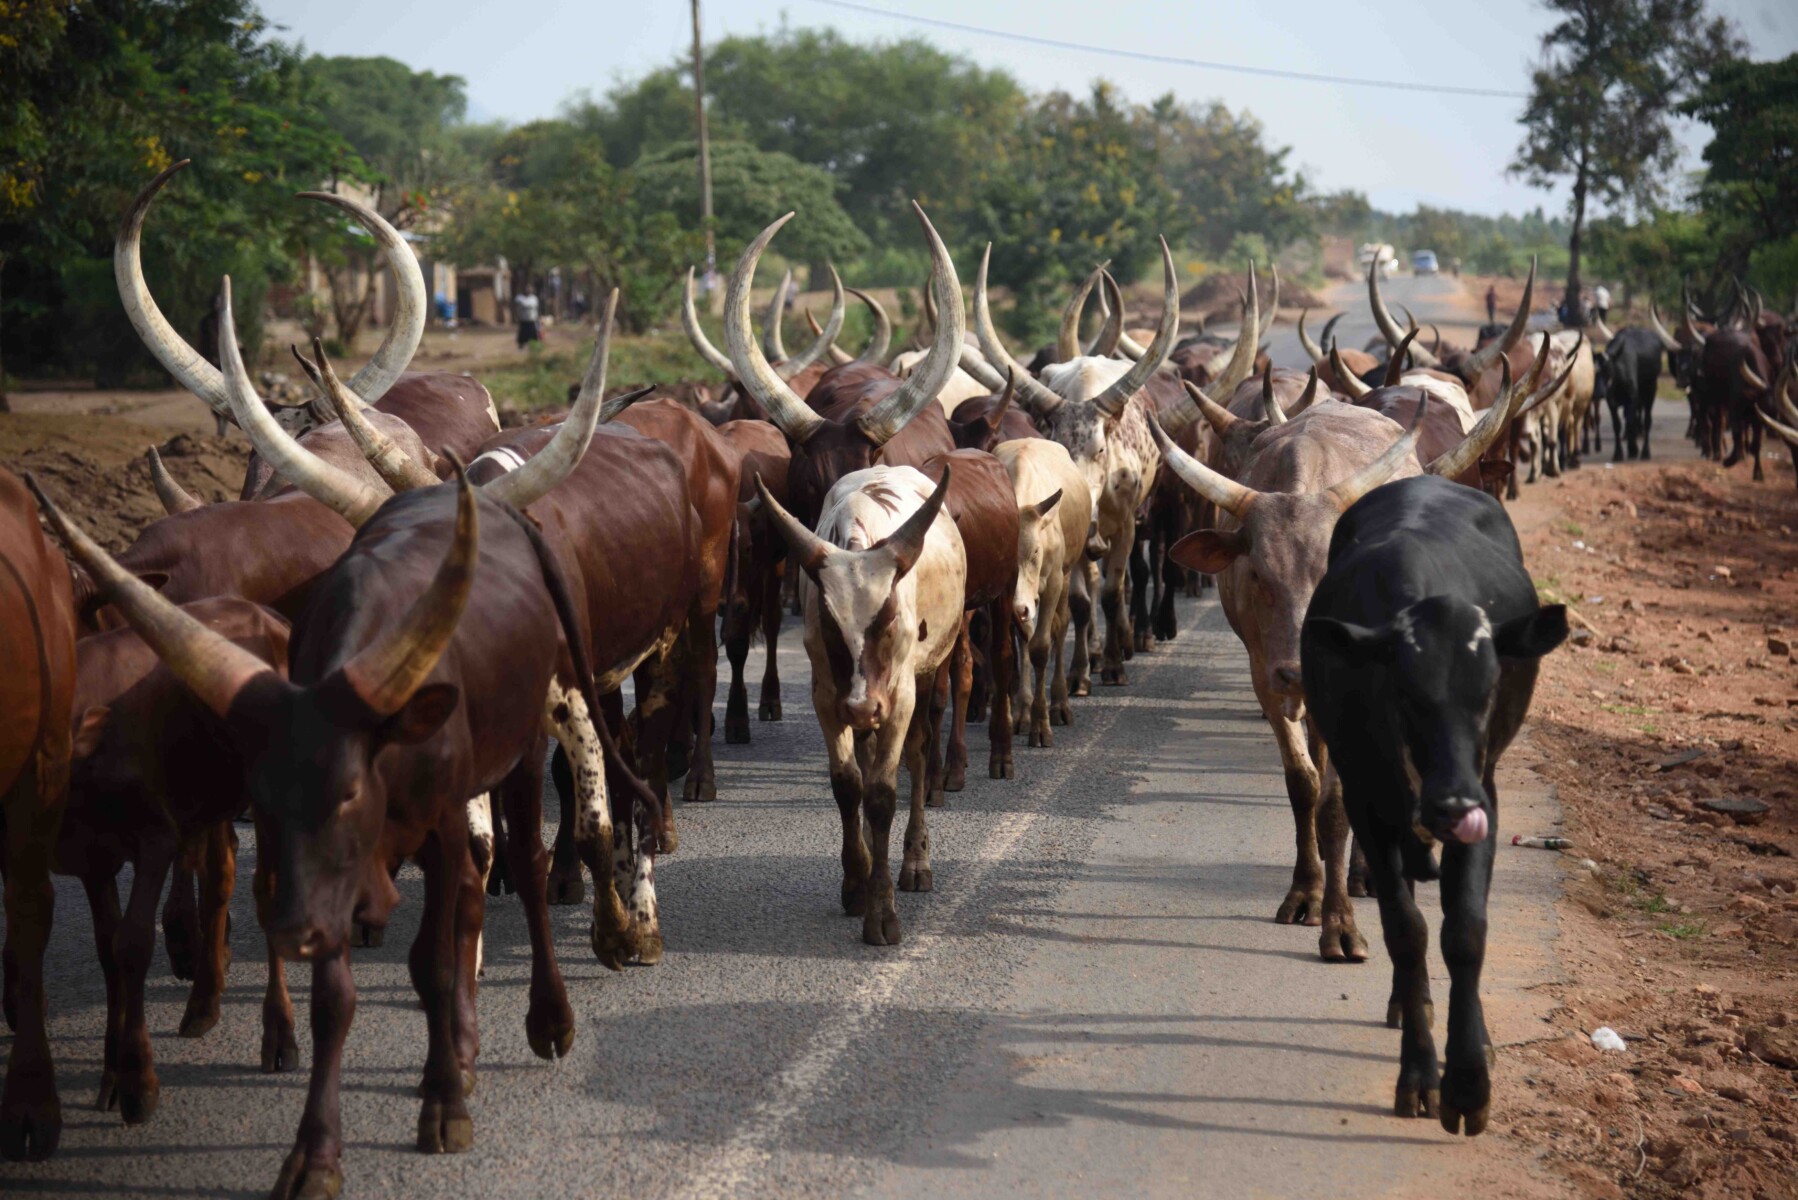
pixel 522 60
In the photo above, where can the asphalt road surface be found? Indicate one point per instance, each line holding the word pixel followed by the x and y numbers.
pixel 1431 298
pixel 1094 1001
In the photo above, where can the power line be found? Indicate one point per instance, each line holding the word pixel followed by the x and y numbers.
pixel 1177 60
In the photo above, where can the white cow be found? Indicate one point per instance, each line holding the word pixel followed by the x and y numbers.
pixel 1053 507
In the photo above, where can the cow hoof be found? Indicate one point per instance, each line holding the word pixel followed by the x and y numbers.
pixel 1143 642
pixel 200 1017
pixel 770 710
pixel 1000 768
pixel 1341 941
pixel 1061 714
pixel 566 887
pixel 916 879
pixel 1040 737
pixel 1301 908
pixel 107 1098
pixel 180 950
pixel 649 948
pixel 1408 1101
pixel 301 1179
pixel 1471 1122
pixel 549 1028
pixel 137 1099
pixel 934 798
pixel 280 1049
pixel 1360 886
pixel 1020 723
pixel 976 713
pixel 699 791
pixel 371 936
pixel 736 731
pixel 881 929
pixel 855 897
pixel 444 1128
pixel 614 945
pixel 1114 677
pixel 1081 687
pixel 955 778
pixel 30 1129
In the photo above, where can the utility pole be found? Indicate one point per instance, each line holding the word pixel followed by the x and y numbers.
pixel 705 164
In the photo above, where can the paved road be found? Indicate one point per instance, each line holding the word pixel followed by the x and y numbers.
pixel 1442 299
pixel 1093 1001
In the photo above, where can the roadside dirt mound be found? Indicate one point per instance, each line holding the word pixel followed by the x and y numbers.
pixel 1670 729
pixel 1216 295
pixel 97 472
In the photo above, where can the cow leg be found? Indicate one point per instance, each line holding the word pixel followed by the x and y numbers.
pixel 102 890
pixel 770 706
pixel 1140 639
pixel 656 717
pixel 1111 602
pixel 980 664
pixel 846 789
pixel 1407 937
pixel 480 850
pixel 736 649
pixel 218 879
pixel 1360 882
pixel 1021 684
pixel 1644 415
pixel 566 715
pixel 961 682
pixel 314 1165
pixel 1466 882
pixel 444 1124
pixel 1173 576
pixel 565 884
pixel 30 1113
pixel 1002 664
pixel 470 916
pixel 880 796
pixel 914 868
pixel 134 946
pixel 548 1018
pixel 1304 902
pixel 1617 431
pixel 941 688
pixel 280 1046
pixel 634 873
pixel 700 682
pixel 1080 612
pixel 1341 939
pixel 181 919
pixel 1060 711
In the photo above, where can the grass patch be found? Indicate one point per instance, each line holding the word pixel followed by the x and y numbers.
pixel 1574 528
pixel 1627 710
pixel 1683 930
pixel 1605 665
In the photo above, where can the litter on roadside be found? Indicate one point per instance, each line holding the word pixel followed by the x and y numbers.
pixel 1543 843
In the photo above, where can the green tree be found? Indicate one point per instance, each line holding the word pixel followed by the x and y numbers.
pixel 1228 180
pixel 1751 190
pixel 98 96
pixel 1612 72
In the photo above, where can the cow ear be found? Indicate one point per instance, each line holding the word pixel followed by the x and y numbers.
pixel 1356 643
pixel 89 730
pixel 1209 551
pixel 423 715
pixel 1534 635
pixel 1494 473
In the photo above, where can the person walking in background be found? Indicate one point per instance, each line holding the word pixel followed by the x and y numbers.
pixel 1601 301
pixel 525 310
pixel 1491 303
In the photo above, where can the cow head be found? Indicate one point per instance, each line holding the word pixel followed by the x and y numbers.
pixel 1442 657
pixel 316 753
pixel 1035 527
pixel 866 624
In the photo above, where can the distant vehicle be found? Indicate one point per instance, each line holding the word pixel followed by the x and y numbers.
pixel 1423 262
pixel 1387 256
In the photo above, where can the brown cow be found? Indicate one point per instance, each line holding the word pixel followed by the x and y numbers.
pixel 754 603
pixel 37 686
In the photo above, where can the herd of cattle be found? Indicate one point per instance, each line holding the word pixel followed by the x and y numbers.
pixel 371 651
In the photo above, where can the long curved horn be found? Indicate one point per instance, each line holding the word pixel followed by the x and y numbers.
pixel 1435 340
pixel 1040 399
pixel 838 355
pixel 1313 351
pixel 906 543
pixel 1216 415
pixel 1538 396
pixel 614 408
pixel 1382 317
pixel 1667 340
pixel 1751 377
pixel 337 489
pixel 1113 399
pixel 174 497
pixel 1395 366
pixel 1690 331
pixel 407 329
pixel 1784 431
pixel 213 667
pixel 386 673
pixel 1242 357
pixel 975 364
pixel 178 358
pixel 395 467
pixel 1491 424
pixel 809 550
pixel 1111 333
pixel 1326 337
pixel 784 408
pixel 1273 305
pixel 1270 407
pixel 920 388
pixel 1309 396
pixel 925 333
pixel 1067 337
pixel 1379 470
pixel 1350 382
pixel 689 319
pixel 876 349
pixel 1604 331
pixel 771 343
pixel 1226 493
pixel 555 462
pixel 826 336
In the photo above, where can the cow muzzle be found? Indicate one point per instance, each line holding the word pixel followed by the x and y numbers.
pixel 302 943
pixel 864 714
pixel 1460 820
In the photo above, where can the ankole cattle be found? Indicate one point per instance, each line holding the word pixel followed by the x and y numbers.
pixel 1628 376
pixel 1053 503
pixel 37 689
pixel 753 607
pixel 883 587
pixel 1268 551
pixel 1420 650
pixel 801 371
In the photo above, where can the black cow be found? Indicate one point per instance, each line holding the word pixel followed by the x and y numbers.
pixel 1628 375
pixel 1419 654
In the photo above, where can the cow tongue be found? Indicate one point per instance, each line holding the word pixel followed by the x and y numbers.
pixel 1471 827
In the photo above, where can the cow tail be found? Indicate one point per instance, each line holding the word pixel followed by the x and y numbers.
pixel 577 652
pixel 731 568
